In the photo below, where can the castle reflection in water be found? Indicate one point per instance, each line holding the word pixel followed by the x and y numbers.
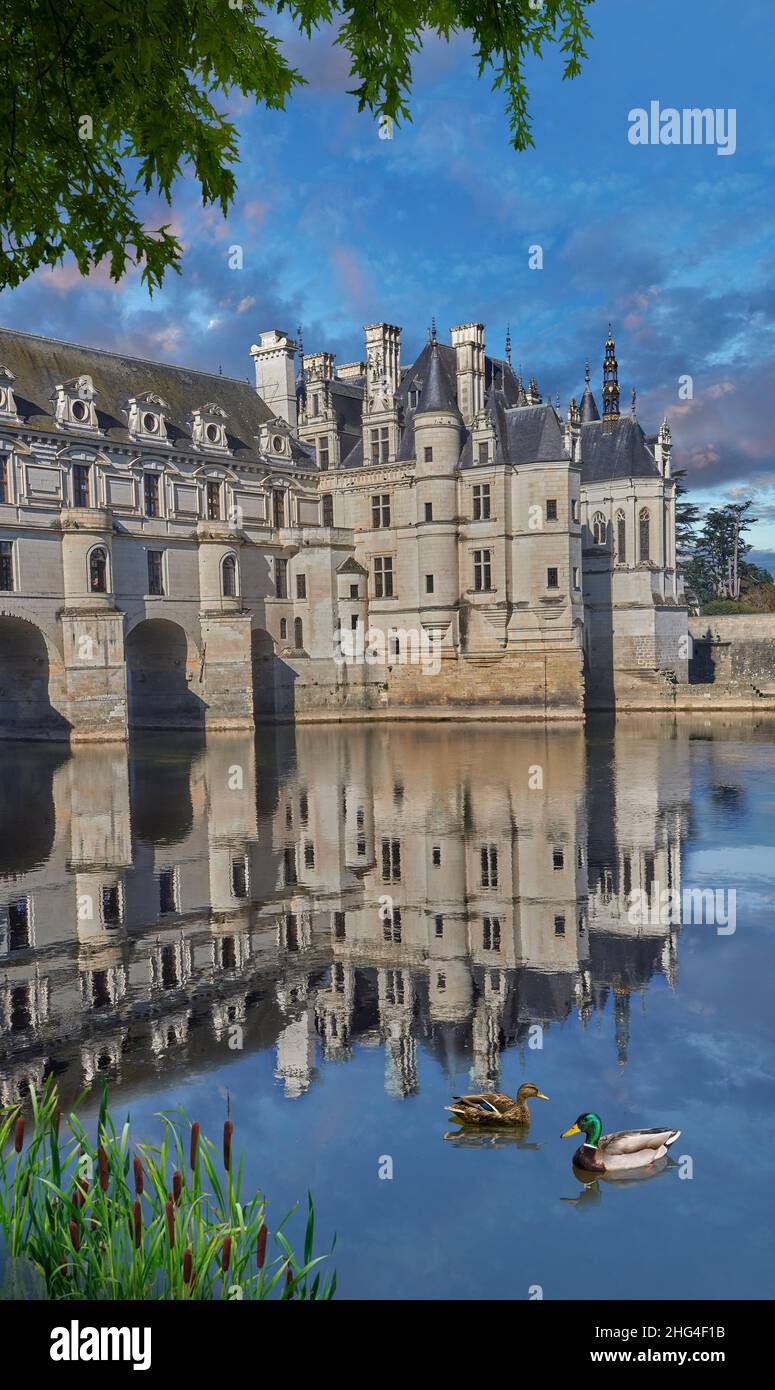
pixel 326 889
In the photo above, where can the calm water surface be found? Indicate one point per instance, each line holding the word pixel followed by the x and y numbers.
pixel 340 928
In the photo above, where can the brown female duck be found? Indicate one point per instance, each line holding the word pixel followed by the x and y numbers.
pixel 495 1108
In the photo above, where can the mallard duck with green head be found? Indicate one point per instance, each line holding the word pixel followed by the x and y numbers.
pixel 495 1108
pixel 614 1153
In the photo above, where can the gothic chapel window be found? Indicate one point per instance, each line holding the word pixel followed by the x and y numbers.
pixel 644 526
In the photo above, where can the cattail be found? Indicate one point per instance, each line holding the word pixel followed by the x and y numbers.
pixel 138 1167
pixel 226 1254
pixel 75 1235
pixel 194 1143
pixel 138 1223
pixel 78 1197
pixel 177 1186
pixel 289 1281
pixel 102 1160
pixel 228 1130
pixel 170 1213
pixel 261 1247
pixel 188 1266
pixel 26 1187
pixel 57 1119
pixel 18 1138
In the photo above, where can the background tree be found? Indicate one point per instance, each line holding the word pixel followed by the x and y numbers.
pixel 687 515
pixel 103 101
pixel 718 568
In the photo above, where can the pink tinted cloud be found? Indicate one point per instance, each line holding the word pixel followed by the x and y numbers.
pixel 351 276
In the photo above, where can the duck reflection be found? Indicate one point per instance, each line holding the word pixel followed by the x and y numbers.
pixel 325 889
pixel 516 1137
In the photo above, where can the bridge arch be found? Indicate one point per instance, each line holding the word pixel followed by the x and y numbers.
pixel 162 672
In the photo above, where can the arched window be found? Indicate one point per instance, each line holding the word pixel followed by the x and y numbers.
pixel 98 570
pixel 644 526
pixel 328 509
pixel 621 538
pixel 598 528
pixel 298 634
pixel 229 577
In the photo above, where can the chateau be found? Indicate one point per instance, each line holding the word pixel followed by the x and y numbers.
pixel 183 549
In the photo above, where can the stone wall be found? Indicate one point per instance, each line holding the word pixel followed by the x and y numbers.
pixel 734 650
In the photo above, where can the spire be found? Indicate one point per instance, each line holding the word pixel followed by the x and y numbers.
pixel 301 383
pixel 437 393
pixel 588 407
pixel 634 398
pixel 432 330
pixel 508 343
pixel 610 384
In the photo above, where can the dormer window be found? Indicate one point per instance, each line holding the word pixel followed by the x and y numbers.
pixel 209 427
pixel 74 404
pixel 273 439
pixel 147 416
pixel 7 401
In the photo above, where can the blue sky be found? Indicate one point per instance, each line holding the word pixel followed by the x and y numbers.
pixel 674 244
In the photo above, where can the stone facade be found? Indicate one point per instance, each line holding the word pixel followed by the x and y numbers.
pixel 180 549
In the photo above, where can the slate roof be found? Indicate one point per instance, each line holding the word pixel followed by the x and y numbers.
pixel 39 364
pixel 588 408
pixel 623 453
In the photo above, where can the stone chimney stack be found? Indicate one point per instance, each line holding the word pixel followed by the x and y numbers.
pixel 383 355
pixel 275 381
pixel 468 342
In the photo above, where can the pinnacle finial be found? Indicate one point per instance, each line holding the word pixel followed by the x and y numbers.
pixel 586 372
pixel 634 397
pixel 300 341
pixel 432 336
pixel 508 343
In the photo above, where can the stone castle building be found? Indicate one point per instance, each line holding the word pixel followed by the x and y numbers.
pixel 184 549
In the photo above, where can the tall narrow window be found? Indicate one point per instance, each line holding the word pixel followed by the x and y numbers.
pixel 151 494
pixel 281 578
pixel 621 539
pixel 644 526
pixel 298 634
pixel 481 501
pixel 111 905
pixel 428 511
pixel 98 570
pixel 229 570
pixel 301 586
pixel 155 575
pixel 482 570
pixel 3 478
pixel 278 508
pixel 489 862
pixel 484 452
pixel 323 453
pixel 551 509
pixel 80 485
pixel 380 445
pixel 328 509
pixel 19 925
pixel 213 501
pixel 380 510
pixel 598 528
pixel 383 576
pixel 6 566
pixel 391 861
pixel 167 891
pixel 553 578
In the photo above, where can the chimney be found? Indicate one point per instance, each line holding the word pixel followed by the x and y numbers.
pixel 468 342
pixel 275 382
pixel 383 355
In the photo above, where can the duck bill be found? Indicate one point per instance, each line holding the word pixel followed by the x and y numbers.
pixel 540 1096
pixel 566 1134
